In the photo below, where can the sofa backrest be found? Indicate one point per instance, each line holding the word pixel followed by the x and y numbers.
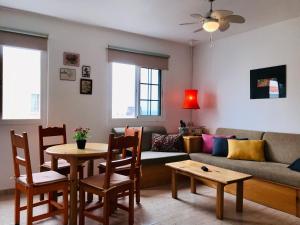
pixel 147 134
pixel 282 147
pixel 251 135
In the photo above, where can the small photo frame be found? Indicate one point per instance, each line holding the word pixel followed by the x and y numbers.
pixel 86 86
pixel 67 74
pixel 86 71
pixel 71 59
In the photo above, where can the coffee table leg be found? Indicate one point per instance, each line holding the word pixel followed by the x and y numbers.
pixel 220 201
pixel 174 184
pixel 193 185
pixel 90 173
pixel 239 196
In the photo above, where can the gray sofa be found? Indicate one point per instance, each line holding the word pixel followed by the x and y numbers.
pixel 280 151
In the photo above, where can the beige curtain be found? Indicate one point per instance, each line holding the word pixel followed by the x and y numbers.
pixel 142 59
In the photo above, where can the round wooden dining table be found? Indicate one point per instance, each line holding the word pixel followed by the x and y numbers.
pixel 75 156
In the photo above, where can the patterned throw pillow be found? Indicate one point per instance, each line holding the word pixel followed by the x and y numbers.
pixel 167 143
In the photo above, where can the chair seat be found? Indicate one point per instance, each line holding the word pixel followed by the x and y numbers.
pixel 61 163
pixel 97 181
pixel 42 178
pixel 117 169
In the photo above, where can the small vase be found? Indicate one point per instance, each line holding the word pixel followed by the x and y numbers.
pixel 81 144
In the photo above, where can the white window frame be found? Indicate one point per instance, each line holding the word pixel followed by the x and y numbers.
pixel 43 97
pixel 137 88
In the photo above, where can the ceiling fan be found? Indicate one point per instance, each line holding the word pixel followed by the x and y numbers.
pixel 215 20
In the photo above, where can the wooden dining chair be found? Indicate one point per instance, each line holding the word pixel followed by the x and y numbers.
pixel 109 184
pixel 63 165
pixel 35 184
pixel 129 131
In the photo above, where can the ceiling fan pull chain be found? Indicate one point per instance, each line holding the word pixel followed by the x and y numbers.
pixel 211 41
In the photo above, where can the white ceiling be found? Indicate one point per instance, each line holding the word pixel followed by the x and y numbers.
pixel 160 18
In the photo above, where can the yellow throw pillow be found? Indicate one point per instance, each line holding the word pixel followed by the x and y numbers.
pixel 246 150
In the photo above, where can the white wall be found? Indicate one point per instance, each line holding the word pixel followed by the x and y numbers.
pixel 66 105
pixel 222 75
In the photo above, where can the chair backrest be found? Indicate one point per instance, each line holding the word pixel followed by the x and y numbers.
pixel 21 142
pixel 119 144
pixel 50 132
pixel 129 131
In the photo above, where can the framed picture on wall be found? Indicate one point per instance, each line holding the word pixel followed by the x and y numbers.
pixel 71 59
pixel 86 71
pixel 268 82
pixel 86 86
pixel 67 74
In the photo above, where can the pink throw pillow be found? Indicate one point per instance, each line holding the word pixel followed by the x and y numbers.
pixel 208 140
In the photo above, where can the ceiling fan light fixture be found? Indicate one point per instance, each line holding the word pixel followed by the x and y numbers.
pixel 211 25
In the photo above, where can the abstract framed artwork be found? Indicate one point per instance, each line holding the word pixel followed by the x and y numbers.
pixel 71 59
pixel 268 82
pixel 67 74
pixel 86 86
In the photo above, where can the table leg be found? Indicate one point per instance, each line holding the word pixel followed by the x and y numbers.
pixel 174 184
pixel 90 173
pixel 53 195
pixel 239 196
pixel 73 191
pixel 193 185
pixel 220 201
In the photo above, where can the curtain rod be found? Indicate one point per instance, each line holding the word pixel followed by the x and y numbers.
pixel 137 51
pixel 29 33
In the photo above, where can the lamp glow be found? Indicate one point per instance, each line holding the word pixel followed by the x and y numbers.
pixel 191 99
pixel 211 25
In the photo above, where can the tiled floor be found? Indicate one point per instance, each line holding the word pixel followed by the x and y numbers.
pixel 158 208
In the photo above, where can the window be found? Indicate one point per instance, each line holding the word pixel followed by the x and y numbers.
pixel 136 91
pixel 21 83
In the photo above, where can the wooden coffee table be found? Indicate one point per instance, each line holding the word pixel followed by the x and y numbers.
pixel 218 175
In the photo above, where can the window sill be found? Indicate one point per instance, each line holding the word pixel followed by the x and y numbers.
pixel 141 119
pixel 21 122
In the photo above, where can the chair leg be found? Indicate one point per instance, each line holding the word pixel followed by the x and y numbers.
pixel 131 205
pixel 42 197
pixel 138 187
pixel 81 206
pixel 17 207
pixel 66 208
pixel 50 198
pixel 106 209
pixel 29 207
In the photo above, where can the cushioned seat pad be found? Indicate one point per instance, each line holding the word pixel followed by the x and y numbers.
pixel 97 181
pixel 276 172
pixel 61 163
pixel 42 178
pixel 150 157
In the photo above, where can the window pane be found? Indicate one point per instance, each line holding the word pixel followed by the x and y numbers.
pixel 144 108
pixel 154 92
pixel 21 79
pixel 155 77
pixel 123 90
pixel 144 76
pixel 144 91
pixel 155 108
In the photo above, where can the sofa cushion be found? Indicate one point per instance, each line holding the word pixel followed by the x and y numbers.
pixel 295 165
pixel 246 150
pixel 147 134
pixel 251 135
pixel 269 171
pixel 167 143
pixel 149 157
pixel 282 147
pixel 220 146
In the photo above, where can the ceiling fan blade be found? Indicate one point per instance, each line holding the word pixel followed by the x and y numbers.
pixel 224 25
pixel 218 14
pixel 182 24
pixel 198 30
pixel 197 16
pixel 235 19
